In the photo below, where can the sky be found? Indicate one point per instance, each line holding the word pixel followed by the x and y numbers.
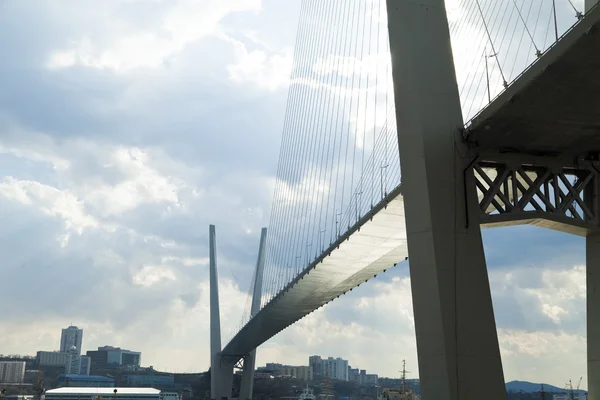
pixel 127 127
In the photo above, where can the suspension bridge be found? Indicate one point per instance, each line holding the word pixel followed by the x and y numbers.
pixel 377 165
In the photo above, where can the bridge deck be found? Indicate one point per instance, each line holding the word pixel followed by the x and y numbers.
pixel 553 108
pixel 375 243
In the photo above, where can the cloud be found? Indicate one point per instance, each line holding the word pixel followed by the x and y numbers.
pixel 376 320
pixel 50 201
pixel 148 46
pixel 257 67
pixel 126 127
pixel 149 275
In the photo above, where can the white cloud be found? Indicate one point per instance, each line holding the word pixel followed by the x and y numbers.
pixel 133 195
pixel 363 328
pixel 183 23
pixel 51 201
pixel 150 275
pixel 143 184
pixel 262 68
pixel 550 357
pixel 557 294
pixel 175 343
pixel 268 72
pixel 37 147
pixel 187 261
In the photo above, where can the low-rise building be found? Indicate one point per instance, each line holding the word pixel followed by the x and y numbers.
pixel 262 375
pixel 51 358
pixel 72 362
pixel 353 374
pixel 32 376
pixel 115 356
pixel 567 396
pixel 19 397
pixel 273 366
pixel 301 372
pixel 106 393
pixel 76 380
pixel 369 379
pixel 270 368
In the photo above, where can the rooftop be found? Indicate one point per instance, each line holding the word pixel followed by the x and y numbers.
pixel 102 390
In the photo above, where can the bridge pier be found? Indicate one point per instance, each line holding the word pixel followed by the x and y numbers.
pixel 593 315
pixel 221 377
pixel 457 342
pixel 247 385
pixel 215 317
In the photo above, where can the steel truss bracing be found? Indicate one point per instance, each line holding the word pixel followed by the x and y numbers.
pixel 239 364
pixel 234 361
pixel 549 193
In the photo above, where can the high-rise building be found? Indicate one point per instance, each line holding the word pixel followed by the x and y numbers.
pixel 315 364
pixel 115 356
pixel 71 337
pixel 76 364
pixel 12 371
pixel 334 368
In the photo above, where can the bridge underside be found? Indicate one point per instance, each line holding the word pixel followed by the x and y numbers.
pixel 553 108
pixel 375 243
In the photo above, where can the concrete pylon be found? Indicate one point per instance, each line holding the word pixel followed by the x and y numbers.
pixel 589 4
pixel 592 254
pixel 457 343
pixel 247 385
pixel 220 376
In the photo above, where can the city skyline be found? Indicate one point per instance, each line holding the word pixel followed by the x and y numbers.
pixel 68 335
pixel 120 145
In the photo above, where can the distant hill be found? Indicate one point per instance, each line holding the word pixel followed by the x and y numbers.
pixel 529 387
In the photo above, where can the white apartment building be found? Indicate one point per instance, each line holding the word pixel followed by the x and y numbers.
pixel 12 371
pixel 334 368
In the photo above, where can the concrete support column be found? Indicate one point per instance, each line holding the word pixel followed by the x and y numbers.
pixel 226 378
pixel 592 253
pixel 589 4
pixel 247 385
pixel 221 378
pixel 457 343
pixel 215 318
